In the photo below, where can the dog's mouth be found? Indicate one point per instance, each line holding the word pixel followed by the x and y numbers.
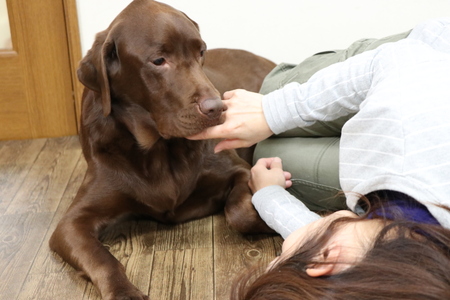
pixel 191 121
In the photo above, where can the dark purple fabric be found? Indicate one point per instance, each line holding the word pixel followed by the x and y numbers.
pixel 406 209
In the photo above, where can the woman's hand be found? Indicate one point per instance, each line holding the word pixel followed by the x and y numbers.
pixel 269 171
pixel 244 125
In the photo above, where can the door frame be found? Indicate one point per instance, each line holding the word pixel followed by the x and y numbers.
pixel 73 36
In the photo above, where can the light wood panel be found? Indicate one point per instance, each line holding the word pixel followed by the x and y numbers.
pixel 36 77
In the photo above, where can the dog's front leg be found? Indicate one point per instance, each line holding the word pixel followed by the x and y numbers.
pixel 76 241
pixel 240 213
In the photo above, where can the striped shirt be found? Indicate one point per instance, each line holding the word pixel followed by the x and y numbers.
pixel 399 136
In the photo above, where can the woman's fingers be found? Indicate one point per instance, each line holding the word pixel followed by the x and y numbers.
pixel 276 163
pixel 265 161
pixel 229 94
pixel 230 144
pixel 213 132
pixel 287 175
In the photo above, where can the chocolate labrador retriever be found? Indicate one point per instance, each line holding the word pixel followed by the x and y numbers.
pixel 149 84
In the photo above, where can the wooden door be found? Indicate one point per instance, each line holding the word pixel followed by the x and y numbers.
pixel 38 90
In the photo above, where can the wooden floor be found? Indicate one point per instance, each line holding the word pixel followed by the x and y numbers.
pixel 39 178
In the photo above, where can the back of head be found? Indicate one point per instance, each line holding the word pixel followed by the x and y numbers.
pixel 408 261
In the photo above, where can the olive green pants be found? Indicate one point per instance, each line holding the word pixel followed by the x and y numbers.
pixel 312 154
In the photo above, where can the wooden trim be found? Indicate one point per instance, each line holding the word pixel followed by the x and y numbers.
pixel 75 55
pixel 8 53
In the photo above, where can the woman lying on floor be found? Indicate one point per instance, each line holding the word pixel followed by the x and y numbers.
pixel 394 168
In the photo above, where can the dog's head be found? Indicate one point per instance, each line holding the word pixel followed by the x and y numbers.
pixel 147 70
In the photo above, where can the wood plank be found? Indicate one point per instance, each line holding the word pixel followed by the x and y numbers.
pixel 172 273
pixel 46 181
pixel 182 266
pixel 21 236
pixel 182 275
pixel 189 235
pixel 132 243
pixel 46 262
pixel 16 159
pixel 53 286
pixel 235 253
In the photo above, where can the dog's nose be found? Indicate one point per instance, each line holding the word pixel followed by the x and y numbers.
pixel 211 107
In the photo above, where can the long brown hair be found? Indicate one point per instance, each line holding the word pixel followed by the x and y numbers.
pixel 412 263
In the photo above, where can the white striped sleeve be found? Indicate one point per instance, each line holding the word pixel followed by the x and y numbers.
pixel 281 211
pixel 331 93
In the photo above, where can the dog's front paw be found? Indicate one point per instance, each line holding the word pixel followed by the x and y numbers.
pixel 242 216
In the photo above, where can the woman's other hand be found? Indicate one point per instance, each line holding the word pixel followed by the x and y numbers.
pixel 267 172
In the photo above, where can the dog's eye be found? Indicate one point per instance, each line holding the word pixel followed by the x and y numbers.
pixel 159 61
pixel 202 53
pixel 113 53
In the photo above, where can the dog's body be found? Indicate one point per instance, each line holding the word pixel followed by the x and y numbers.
pixel 145 92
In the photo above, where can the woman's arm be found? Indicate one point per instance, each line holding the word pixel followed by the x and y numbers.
pixel 280 210
pixel 333 92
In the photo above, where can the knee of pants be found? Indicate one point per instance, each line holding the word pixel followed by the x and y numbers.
pixel 314 165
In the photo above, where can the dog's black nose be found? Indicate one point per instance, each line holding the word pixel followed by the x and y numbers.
pixel 211 107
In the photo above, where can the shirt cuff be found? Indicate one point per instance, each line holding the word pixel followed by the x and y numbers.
pixel 279 107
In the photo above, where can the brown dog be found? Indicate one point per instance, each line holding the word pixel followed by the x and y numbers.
pixel 146 90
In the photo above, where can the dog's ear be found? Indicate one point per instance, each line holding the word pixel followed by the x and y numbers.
pixel 92 71
pixel 193 22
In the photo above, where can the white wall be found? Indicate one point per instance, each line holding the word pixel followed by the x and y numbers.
pixel 281 30
pixel 5 33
